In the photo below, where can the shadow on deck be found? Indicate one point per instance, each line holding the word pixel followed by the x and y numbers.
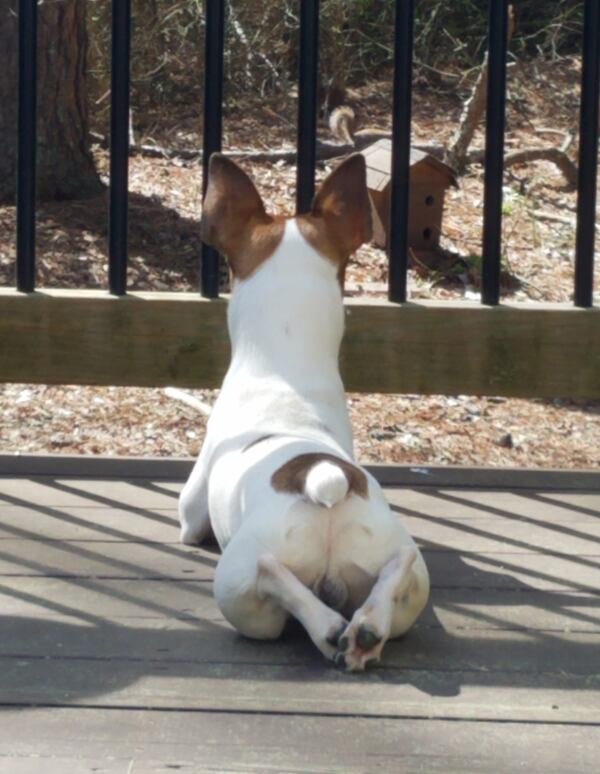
pixel 114 655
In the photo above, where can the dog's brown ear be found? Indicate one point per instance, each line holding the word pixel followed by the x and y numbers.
pixel 230 205
pixel 343 202
pixel 234 220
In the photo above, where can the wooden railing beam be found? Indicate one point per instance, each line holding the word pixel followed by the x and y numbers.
pixel 157 339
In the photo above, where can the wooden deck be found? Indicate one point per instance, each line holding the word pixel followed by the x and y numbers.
pixel 114 657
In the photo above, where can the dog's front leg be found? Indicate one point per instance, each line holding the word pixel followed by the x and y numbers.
pixel 386 612
pixel 193 503
pixel 323 625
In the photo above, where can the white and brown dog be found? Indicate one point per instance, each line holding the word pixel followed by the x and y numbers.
pixel 304 530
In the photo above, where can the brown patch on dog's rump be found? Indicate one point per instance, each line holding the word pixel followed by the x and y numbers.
pixel 234 219
pixel 291 477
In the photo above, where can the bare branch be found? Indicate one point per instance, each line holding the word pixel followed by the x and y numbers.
pixel 554 155
pixel 473 109
pixel 252 52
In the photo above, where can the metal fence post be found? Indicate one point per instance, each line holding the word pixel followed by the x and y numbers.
pixel 494 152
pixel 119 147
pixel 401 121
pixel 27 141
pixel 588 157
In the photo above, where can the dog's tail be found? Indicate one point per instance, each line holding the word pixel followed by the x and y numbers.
pixel 326 484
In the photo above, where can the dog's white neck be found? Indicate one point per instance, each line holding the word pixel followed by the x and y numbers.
pixel 286 323
pixel 287 319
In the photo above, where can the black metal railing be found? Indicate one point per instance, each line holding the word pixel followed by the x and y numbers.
pixel 27 146
pixel 119 147
pixel 213 126
pixel 307 103
pixel 494 152
pixel 306 142
pixel 588 157
pixel 401 120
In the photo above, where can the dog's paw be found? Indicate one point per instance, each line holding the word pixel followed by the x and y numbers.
pixel 335 633
pixel 329 645
pixel 359 644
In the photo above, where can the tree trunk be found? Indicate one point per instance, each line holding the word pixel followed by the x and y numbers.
pixel 65 168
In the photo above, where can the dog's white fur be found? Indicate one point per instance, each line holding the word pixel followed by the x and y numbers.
pixel 288 553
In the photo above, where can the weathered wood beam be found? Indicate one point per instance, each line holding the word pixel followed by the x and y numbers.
pixel 180 339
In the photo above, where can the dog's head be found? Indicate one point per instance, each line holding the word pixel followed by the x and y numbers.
pixel 235 222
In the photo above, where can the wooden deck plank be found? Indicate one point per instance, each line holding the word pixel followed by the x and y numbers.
pixel 104 611
pixel 23 555
pixel 51 491
pixel 160 604
pixel 69 529
pixel 506 570
pixel 120 579
pixel 162 525
pixel 475 500
pixel 448 568
pixel 498 651
pixel 104 559
pixel 33 763
pixel 532 505
pixel 479 521
pixel 139 741
pixel 318 688
pixel 68 524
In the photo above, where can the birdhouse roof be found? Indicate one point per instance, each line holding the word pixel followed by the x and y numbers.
pixel 379 164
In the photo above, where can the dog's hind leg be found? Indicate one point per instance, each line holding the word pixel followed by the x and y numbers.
pixel 323 625
pixel 394 603
pixel 257 594
pixel 193 503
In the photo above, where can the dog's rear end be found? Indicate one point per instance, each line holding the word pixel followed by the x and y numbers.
pixel 308 533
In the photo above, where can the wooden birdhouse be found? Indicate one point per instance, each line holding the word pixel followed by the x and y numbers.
pixel 429 179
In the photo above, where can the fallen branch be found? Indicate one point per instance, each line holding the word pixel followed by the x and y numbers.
pixel 555 155
pixel 568 136
pixel 329 150
pixel 552 154
pixel 544 215
pixel 325 150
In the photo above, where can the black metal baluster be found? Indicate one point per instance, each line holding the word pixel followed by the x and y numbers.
pixel 588 157
pixel 307 103
pixel 494 151
pixel 119 147
pixel 213 125
pixel 26 163
pixel 401 120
